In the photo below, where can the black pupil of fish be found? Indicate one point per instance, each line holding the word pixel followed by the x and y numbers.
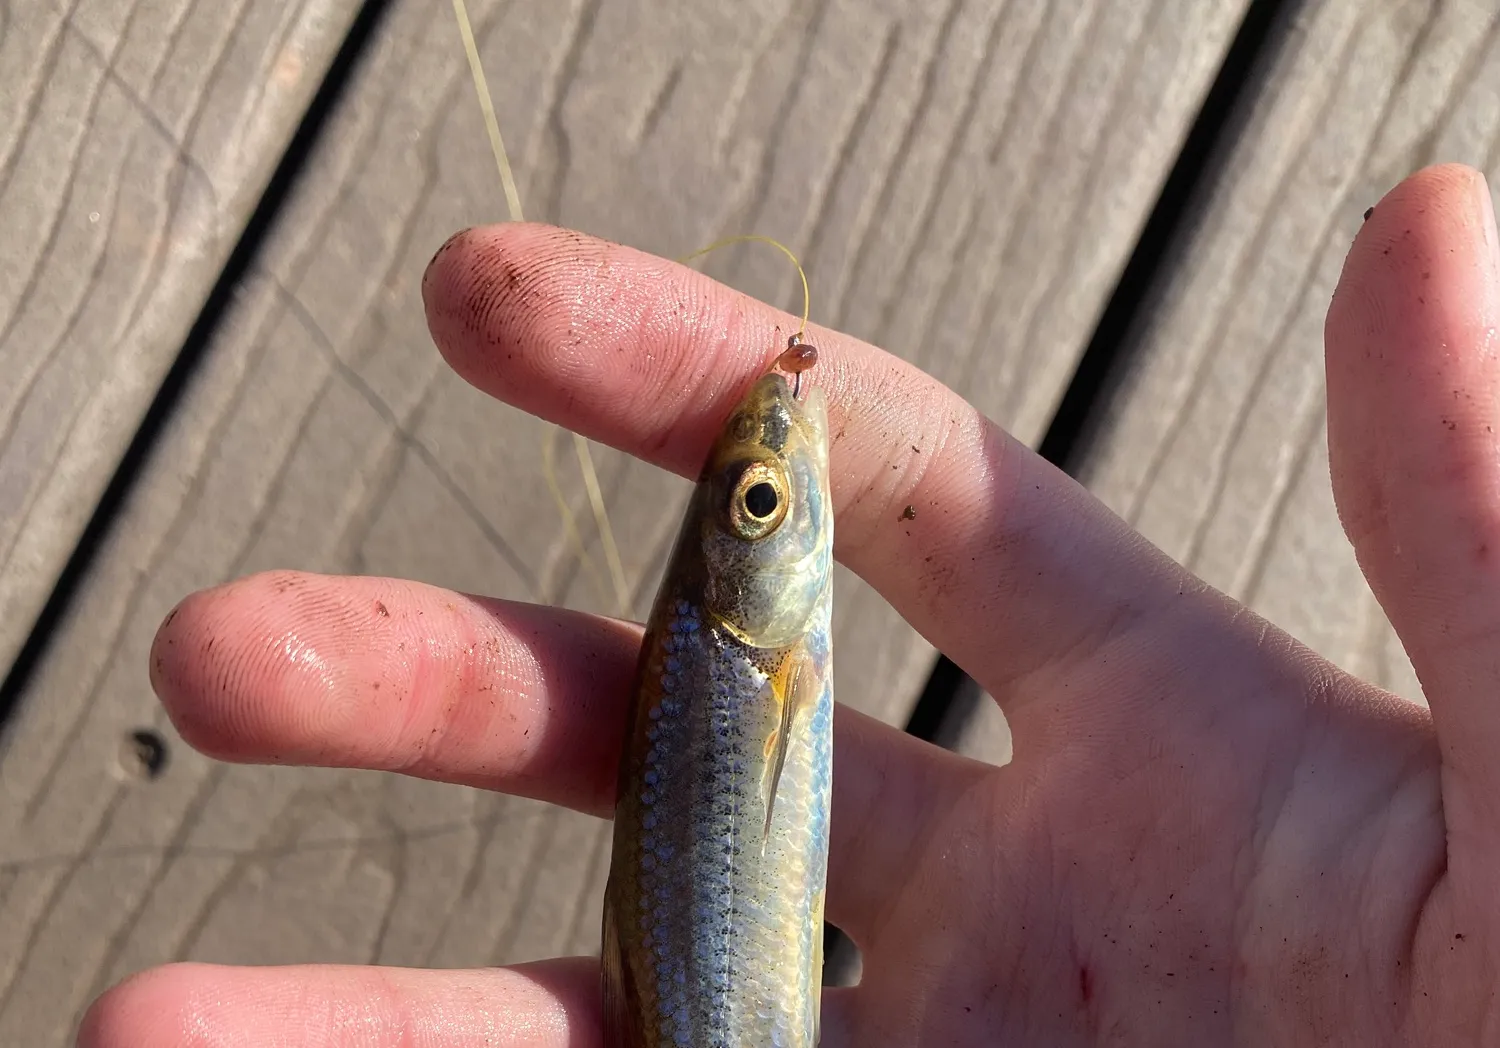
pixel 760 500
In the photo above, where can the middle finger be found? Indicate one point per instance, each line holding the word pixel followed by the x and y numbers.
pixel 1002 562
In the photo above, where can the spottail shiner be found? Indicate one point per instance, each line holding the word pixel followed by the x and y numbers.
pixel 713 914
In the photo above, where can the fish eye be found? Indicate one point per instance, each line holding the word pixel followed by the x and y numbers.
pixel 761 500
pixel 758 504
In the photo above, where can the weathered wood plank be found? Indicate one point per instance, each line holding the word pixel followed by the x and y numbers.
pixel 964 182
pixel 1216 447
pixel 135 140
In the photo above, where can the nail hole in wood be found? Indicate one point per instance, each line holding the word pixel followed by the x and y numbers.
pixel 143 754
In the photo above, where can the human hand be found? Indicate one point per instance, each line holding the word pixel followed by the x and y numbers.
pixel 1207 836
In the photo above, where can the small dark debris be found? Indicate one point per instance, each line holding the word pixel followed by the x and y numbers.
pixel 381 610
pixel 909 513
pixel 1368 212
pixel 143 754
pixel 916 449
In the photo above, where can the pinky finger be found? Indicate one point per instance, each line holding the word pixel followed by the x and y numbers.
pixel 548 1004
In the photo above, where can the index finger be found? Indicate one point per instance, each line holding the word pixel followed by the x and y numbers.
pixel 1007 562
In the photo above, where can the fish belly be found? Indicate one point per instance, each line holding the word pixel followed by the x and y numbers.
pixel 720 923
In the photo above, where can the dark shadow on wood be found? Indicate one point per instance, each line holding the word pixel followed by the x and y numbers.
pixel 951 697
pixel 293 162
pixel 1185 193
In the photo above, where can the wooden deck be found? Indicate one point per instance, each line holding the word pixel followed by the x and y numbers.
pixel 249 191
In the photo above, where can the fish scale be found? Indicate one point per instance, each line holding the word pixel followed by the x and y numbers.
pixel 713 924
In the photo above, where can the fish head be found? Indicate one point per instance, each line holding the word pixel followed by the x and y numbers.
pixel 767 526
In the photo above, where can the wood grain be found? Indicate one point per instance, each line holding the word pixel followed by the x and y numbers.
pixel 135 140
pixel 965 182
pixel 1216 447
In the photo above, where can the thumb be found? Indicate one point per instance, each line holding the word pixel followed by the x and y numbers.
pixel 1414 445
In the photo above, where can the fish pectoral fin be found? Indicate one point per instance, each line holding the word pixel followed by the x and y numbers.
pixel 619 1009
pixel 795 686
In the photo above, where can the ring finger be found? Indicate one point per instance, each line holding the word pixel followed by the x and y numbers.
pixel 292 668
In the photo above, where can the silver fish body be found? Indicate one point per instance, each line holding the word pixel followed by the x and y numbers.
pixel 714 909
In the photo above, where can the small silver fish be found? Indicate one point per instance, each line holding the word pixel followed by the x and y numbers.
pixel 713 914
